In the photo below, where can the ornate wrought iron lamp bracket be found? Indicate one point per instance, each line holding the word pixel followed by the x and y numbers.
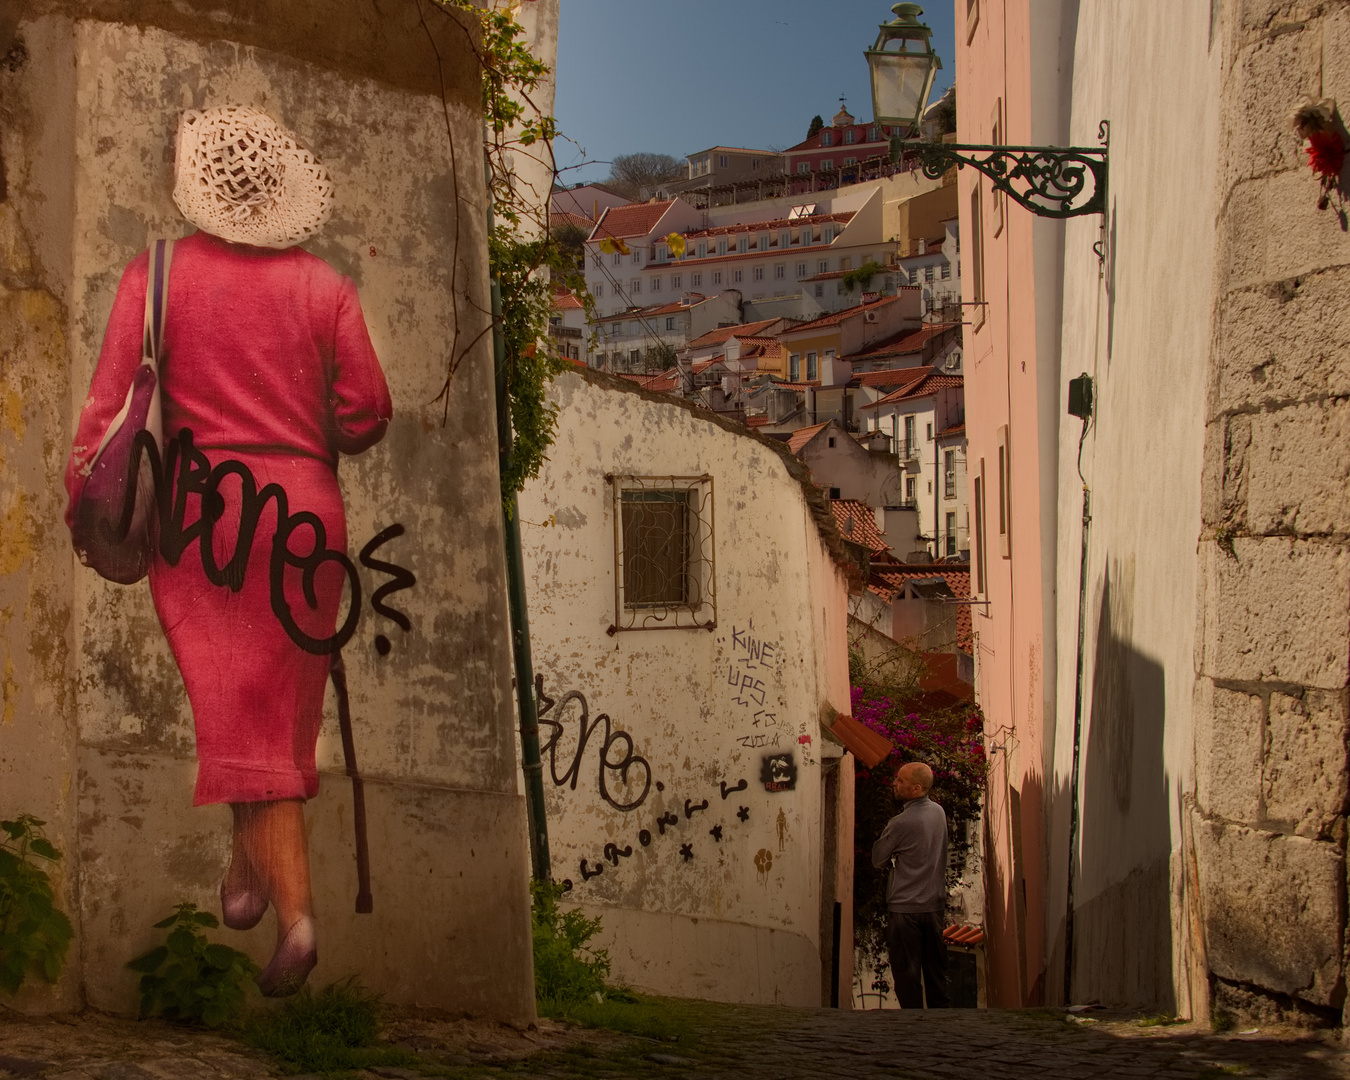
pixel 1050 181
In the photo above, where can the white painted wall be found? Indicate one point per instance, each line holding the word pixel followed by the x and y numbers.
pixel 1142 329
pixel 741 919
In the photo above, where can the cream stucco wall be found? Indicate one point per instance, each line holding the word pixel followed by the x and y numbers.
pixel 737 918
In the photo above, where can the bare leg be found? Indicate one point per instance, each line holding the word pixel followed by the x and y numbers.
pixel 270 849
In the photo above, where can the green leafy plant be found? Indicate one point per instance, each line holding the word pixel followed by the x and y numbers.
pixel 863 275
pixel 566 969
pixel 529 261
pixel 191 978
pixel 34 932
pixel 337 1028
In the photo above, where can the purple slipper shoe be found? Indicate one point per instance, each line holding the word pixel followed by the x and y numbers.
pixel 241 909
pixel 292 962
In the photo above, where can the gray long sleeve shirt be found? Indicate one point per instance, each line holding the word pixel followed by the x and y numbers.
pixel 917 837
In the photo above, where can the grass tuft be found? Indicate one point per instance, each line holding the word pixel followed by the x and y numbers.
pixel 335 1029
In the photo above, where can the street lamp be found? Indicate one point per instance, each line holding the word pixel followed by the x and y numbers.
pixel 902 77
pixel 1050 181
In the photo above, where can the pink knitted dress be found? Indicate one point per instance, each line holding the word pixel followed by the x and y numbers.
pixel 268 362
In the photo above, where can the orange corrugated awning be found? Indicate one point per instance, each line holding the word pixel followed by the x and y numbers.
pixel 864 743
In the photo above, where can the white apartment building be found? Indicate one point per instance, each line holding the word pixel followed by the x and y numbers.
pixel 935 266
pixel 926 423
pixel 645 339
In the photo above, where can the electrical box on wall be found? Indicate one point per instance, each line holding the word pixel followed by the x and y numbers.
pixel 1080 396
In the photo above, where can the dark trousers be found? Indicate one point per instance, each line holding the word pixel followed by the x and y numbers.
pixel 918 958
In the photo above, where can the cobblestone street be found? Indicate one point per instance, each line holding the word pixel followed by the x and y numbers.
pixel 713 1042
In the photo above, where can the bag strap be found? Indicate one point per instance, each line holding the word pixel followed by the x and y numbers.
pixel 156 301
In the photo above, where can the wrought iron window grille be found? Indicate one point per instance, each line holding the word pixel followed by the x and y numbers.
pixel 665 564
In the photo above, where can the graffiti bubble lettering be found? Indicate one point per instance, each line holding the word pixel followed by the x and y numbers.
pixel 617 753
pixel 613 852
pixel 403 579
pixel 691 808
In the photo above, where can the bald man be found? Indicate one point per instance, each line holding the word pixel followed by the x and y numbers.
pixel 916 840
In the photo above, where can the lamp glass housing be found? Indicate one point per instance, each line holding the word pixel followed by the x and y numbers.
pixel 902 78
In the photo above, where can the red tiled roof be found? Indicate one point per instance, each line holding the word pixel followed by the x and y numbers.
pixel 703 365
pixel 566 301
pixel 802 436
pixel 758 420
pixel 757 340
pixel 890 376
pixel 558 218
pixel 782 385
pixel 634 219
pixel 858 524
pixel 957 577
pixel 907 341
pixel 929 384
pixel 955 429
pixel 655 309
pixel 722 333
pixel 666 380
pixel 837 317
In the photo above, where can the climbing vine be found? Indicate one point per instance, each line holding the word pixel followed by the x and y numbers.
pixel 527 260
pixel 951 742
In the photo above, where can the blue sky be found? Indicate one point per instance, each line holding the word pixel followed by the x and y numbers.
pixel 678 76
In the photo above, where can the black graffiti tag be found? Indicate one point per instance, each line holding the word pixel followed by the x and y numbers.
pixel 185 471
pixel 403 579
pixel 619 761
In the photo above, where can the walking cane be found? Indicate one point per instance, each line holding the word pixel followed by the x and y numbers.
pixel 364 901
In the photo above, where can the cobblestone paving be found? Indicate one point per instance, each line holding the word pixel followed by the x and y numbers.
pixel 715 1043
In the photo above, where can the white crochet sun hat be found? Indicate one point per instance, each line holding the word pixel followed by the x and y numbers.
pixel 243 177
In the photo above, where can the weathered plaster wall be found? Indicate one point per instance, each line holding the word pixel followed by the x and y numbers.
pixel 1129 324
pixel 1272 630
pixel 88 121
pixel 735 918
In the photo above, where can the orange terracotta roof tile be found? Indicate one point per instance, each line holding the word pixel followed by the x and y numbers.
pixel 929 384
pixel 802 436
pixel 566 301
pixel 858 524
pixel 835 318
pixel 957 577
pixel 955 429
pixel 907 341
pixel 633 219
pixel 890 377
pixel 722 333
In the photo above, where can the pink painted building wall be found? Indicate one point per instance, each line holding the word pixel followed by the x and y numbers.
pixel 1008 65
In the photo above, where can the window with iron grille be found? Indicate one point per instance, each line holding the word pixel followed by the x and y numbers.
pixel 664 561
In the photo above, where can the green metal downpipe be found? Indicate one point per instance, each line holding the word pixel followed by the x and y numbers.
pixel 531 764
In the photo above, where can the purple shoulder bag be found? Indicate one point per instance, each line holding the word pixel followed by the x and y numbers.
pixel 114 530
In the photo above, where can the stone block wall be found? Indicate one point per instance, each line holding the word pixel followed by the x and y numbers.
pixel 1273 631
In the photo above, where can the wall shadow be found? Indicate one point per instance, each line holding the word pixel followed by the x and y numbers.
pixel 1122 922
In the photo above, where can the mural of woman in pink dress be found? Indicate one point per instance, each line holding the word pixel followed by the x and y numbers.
pixel 266 363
